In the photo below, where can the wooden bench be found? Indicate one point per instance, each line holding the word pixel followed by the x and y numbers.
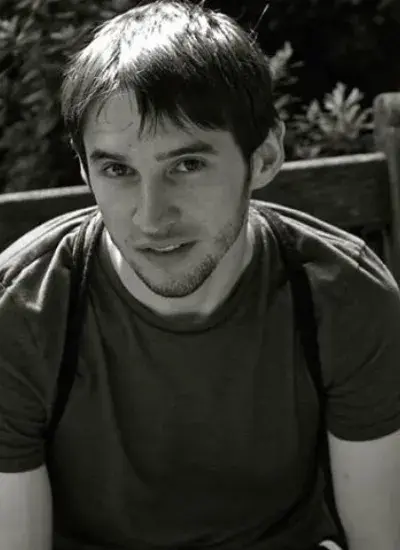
pixel 360 193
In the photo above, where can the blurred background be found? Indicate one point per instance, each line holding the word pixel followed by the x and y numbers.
pixel 329 58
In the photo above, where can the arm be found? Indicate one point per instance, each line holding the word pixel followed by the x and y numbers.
pixel 366 482
pixel 25 510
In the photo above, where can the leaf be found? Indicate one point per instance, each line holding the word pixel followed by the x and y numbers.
pixel 350 114
pixel 361 121
pixel 34 97
pixel 280 67
pixel 332 106
pixel 9 25
pixel 46 125
pixel 65 34
pixel 354 97
pixel 338 93
pixel 326 125
pixel 313 111
pixel 30 76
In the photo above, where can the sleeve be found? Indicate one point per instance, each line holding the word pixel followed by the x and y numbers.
pixel 361 353
pixel 22 406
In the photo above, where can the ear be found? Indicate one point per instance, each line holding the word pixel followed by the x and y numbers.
pixel 82 169
pixel 84 175
pixel 267 160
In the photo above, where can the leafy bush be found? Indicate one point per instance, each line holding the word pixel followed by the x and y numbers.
pixel 340 126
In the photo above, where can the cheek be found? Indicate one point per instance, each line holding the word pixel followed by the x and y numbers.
pixel 223 197
pixel 112 198
pixel 116 209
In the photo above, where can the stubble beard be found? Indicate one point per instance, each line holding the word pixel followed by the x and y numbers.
pixel 196 275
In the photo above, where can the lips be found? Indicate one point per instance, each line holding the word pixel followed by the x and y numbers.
pixel 166 251
pixel 169 248
pixel 163 247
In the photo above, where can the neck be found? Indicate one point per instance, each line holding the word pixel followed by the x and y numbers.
pixel 206 298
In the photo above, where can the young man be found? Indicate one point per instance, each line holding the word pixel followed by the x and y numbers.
pixel 192 420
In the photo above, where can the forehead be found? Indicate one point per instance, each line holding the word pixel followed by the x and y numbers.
pixel 116 122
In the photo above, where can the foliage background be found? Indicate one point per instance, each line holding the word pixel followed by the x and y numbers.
pixel 330 58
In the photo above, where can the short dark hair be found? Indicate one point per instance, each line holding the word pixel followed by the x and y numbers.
pixel 184 63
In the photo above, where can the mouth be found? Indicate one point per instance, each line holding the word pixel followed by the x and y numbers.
pixel 168 251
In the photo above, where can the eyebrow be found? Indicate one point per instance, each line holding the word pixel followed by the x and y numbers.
pixel 198 146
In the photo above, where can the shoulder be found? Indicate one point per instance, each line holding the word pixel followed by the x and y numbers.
pixel 38 246
pixel 336 261
pixel 35 277
pixel 316 240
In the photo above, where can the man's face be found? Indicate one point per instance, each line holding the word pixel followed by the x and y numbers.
pixel 152 199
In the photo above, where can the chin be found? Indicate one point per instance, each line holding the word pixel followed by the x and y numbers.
pixel 180 287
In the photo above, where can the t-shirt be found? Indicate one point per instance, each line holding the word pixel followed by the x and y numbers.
pixel 180 434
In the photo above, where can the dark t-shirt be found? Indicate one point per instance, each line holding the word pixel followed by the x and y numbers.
pixel 187 434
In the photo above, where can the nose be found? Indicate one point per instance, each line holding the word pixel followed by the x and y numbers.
pixel 154 212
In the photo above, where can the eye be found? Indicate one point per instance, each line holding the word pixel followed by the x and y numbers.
pixel 193 165
pixel 115 170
